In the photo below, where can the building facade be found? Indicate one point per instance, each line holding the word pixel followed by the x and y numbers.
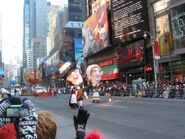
pixel 35 27
pixel 38 49
pixel 67 29
pixel 28 31
pixel 74 14
pixel 52 26
pixel 137 32
pixel 1 62
pixel 170 24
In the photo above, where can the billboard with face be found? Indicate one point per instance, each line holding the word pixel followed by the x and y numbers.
pixel 95 33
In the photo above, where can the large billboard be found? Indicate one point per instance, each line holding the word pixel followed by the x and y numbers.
pixel 95 32
pixel 163 35
pixel 177 20
pixel 78 49
pixel 132 55
pixel 110 69
pixel 97 4
pixel 129 20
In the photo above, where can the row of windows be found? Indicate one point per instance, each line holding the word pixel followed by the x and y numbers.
pixel 75 9
pixel 76 17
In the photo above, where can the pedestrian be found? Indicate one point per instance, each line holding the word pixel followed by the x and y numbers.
pixel 95 134
pixel 80 122
pixel 46 127
pixel 27 122
pixel 23 119
pixel 31 126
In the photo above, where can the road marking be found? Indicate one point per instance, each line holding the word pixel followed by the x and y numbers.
pixel 109 105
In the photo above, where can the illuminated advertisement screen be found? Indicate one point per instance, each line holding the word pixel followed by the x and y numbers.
pixel 132 54
pixel 97 4
pixel 110 72
pixel 163 35
pixel 110 69
pixel 78 48
pixel 129 19
pixel 95 33
pixel 177 20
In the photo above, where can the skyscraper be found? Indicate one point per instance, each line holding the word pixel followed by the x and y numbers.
pixel 35 27
pixel 74 14
pixel 41 18
pixel 28 31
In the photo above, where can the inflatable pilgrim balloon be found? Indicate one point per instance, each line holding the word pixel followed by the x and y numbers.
pixel 72 74
pixel 94 74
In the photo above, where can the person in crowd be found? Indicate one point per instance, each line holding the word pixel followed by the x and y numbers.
pixel 25 122
pixel 94 134
pixel 72 74
pixel 94 74
pixel 46 127
pixel 41 126
pixel 4 104
pixel 80 122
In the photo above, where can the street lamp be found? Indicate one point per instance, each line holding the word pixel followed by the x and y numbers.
pixel 147 36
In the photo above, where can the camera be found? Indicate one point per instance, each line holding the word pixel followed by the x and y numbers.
pixel 13 111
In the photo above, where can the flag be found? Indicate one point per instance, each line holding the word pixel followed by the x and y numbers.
pixel 156 50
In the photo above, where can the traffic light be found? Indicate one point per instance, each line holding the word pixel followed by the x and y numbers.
pixel 148 68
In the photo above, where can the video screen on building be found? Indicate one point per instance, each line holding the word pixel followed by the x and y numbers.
pixel 177 20
pixel 95 32
pixel 129 20
pixel 78 49
pixel 163 35
pixel 97 4
pixel 132 55
pixel 110 69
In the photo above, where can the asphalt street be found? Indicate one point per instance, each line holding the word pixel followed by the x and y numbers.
pixel 123 118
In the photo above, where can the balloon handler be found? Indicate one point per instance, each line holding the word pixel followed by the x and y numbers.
pixel 72 74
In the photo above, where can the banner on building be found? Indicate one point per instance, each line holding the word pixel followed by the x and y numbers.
pixel 156 50
pixel 95 32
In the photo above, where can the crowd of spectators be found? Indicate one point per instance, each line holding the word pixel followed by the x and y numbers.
pixel 165 89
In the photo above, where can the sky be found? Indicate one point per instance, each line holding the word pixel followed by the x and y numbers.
pixel 12 29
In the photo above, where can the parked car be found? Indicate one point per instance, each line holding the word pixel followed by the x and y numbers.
pixel 39 89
